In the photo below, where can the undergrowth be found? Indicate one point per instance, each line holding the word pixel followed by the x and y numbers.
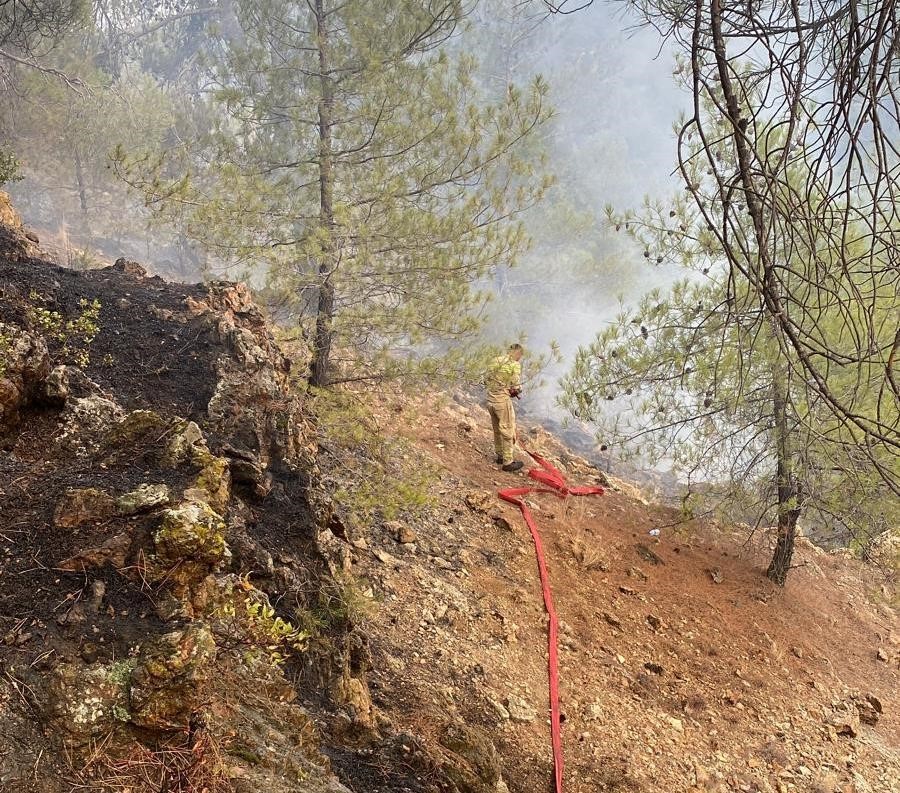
pixel 372 477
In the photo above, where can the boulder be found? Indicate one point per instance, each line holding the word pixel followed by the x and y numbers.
pixel 472 765
pixel 192 531
pixel 166 686
pixel 24 365
pixel 87 421
pixel 85 702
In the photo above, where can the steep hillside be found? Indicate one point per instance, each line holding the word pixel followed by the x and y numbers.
pixel 186 604
pixel 682 667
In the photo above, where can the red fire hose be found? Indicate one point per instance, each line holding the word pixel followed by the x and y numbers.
pixel 553 482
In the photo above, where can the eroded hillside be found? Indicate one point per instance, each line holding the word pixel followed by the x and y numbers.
pixel 177 578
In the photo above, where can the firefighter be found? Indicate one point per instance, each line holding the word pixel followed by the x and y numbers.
pixel 504 382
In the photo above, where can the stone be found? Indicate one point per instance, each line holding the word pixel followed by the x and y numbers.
pixel 480 501
pixel 185 438
pixel 869 708
pixel 401 532
pixel 654 622
pixel 519 710
pixel 87 423
pixel 144 499
pixel 166 686
pixel 846 721
pixel 114 551
pixel 474 766
pixel 56 387
pixel 129 267
pixel 612 620
pixel 648 555
pixel 676 724
pixel 593 712
pixel 191 531
pixel 499 709
pixel 83 505
pixel 135 427
pixel 881 655
pixel 385 558
pixel 24 365
pixel 85 702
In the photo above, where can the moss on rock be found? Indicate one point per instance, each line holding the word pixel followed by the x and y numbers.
pixel 166 686
pixel 191 531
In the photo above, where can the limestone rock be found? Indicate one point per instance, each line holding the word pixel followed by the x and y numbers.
pixel 474 766
pixel 191 531
pixel 166 686
pixel 87 422
pixel 86 702
pixel 83 505
pixel 184 440
pixel 519 709
pixel 24 364
pixel 144 499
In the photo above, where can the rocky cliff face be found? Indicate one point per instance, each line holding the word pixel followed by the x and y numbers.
pixel 160 537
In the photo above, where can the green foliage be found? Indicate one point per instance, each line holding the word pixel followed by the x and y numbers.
pixel 9 166
pixel 72 337
pixel 371 205
pixel 689 377
pixel 342 603
pixel 372 476
pixel 247 620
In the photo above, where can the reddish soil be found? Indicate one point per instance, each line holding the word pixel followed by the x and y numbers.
pixel 682 667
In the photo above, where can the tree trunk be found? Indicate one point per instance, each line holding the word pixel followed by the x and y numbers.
pixel 788 491
pixel 324 336
pixel 82 188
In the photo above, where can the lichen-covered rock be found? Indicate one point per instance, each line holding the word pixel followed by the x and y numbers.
pixel 144 499
pixel 86 422
pixel 24 365
pixel 166 686
pixel 473 765
pixel 213 484
pixel 134 427
pixel 194 531
pixel 83 505
pixel 185 438
pixel 85 702
pixel 253 403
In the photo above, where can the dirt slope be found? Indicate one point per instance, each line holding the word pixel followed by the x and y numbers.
pixel 682 667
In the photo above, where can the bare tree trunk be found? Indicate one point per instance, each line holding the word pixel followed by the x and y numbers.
pixel 324 336
pixel 82 188
pixel 788 492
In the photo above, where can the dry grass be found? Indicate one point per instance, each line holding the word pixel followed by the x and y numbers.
pixel 182 765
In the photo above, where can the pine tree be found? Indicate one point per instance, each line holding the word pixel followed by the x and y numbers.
pixel 696 377
pixel 355 168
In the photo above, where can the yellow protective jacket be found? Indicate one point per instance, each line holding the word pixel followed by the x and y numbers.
pixel 504 374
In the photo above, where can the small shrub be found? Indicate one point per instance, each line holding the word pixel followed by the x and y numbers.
pixel 73 337
pixel 9 166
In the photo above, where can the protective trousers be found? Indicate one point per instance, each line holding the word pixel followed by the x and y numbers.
pixel 503 419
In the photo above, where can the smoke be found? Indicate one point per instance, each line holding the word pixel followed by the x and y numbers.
pixel 610 143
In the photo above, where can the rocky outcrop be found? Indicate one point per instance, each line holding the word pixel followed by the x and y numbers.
pixel 24 366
